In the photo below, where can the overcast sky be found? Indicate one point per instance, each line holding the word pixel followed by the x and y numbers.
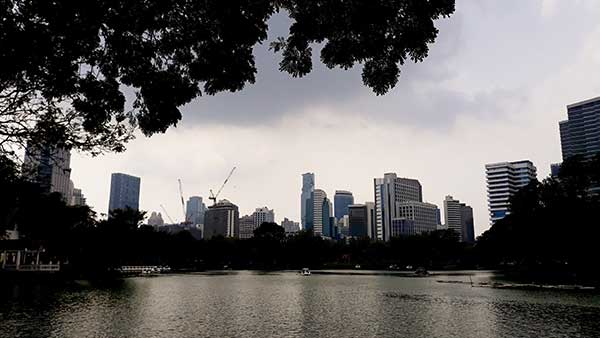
pixel 493 89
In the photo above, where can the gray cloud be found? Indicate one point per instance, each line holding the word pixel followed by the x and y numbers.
pixel 276 94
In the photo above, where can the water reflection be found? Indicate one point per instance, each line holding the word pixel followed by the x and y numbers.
pixel 244 304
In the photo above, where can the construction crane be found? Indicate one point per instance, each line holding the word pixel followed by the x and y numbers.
pixel 185 219
pixel 166 213
pixel 214 197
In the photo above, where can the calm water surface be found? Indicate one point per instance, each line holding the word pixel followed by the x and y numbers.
pixel 248 304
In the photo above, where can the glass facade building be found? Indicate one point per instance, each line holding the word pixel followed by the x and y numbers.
pixel 124 192
pixel 504 179
pixel 580 133
pixel 342 199
pixel 308 186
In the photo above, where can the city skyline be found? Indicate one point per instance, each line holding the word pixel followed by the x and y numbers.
pixel 440 125
pixel 356 168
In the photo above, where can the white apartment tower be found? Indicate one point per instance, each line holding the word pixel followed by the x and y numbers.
pixel 452 212
pixel 504 179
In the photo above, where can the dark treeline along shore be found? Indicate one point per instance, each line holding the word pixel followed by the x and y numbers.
pixel 551 232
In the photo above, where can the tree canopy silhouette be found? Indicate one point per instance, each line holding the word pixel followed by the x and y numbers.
pixel 65 65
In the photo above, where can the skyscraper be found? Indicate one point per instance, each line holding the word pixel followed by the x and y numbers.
pixel 389 191
pixel 124 192
pixel 221 219
pixel 50 168
pixel 194 210
pixel 308 185
pixel 580 133
pixel 328 218
pixel 318 196
pixel 262 215
pixel 358 219
pixel 468 226
pixel 452 212
pixel 371 226
pixel 504 179
pixel 342 199
pixel 247 227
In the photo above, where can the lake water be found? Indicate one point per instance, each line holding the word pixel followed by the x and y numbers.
pixel 250 304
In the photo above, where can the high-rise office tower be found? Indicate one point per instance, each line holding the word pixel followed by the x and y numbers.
pixel 342 199
pixel 308 185
pixel 468 225
pixel 221 219
pixel 438 216
pixel 124 192
pixel 422 217
pixel 459 217
pixel 194 210
pixel 318 197
pixel 328 218
pixel 371 229
pixel 358 218
pixel 453 214
pixel 262 215
pixel 247 227
pixel 50 168
pixel 504 179
pixel 389 191
pixel 580 133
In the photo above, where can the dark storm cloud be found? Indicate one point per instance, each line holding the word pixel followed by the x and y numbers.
pixel 478 67
pixel 276 94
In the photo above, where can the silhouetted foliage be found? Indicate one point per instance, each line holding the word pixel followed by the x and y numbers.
pixel 269 231
pixel 124 219
pixel 65 65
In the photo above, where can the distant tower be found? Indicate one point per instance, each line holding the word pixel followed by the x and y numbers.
pixel 328 220
pixel 156 220
pixel 389 191
pixel 221 219
pixel 459 217
pixel 318 196
pixel 579 134
pixel 308 185
pixel 50 168
pixel 342 199
pixel 358 218
pixel 452 212
pixel 262 215
pixel 504 179
pixel 195 209
pixel 247 227
pixel 371 224
pixel 468 225
pixel 290 226
pixel 78 198
pixel 124 192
